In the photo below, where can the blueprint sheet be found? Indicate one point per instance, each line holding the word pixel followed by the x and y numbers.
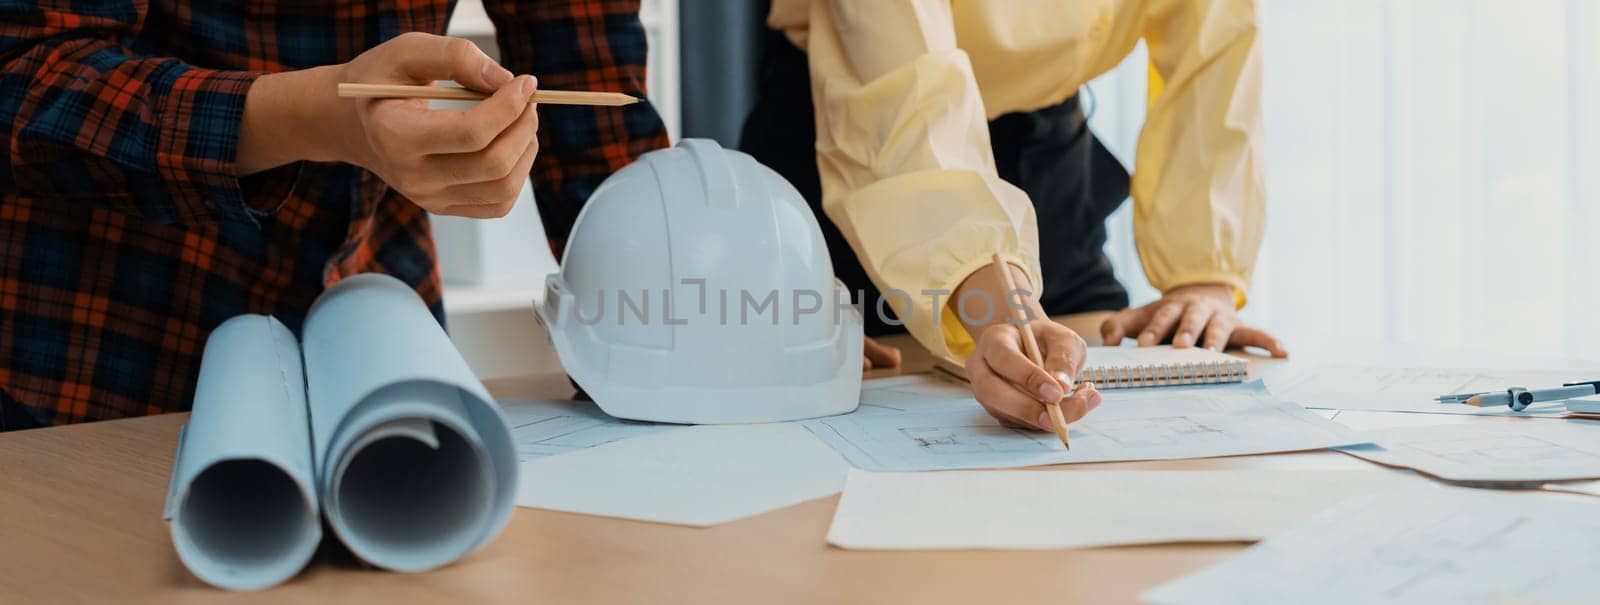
pixel 1132 424
pixel 1382 389
pixel 899 393
pixel 1531 451
pixel 1429 544
pixel 547 427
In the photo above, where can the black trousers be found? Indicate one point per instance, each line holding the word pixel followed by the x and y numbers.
pixel 1073 180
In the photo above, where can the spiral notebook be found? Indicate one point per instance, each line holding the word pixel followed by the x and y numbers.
pixel 1126 367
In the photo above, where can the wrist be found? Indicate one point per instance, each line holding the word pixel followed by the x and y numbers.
pixel 294 116
pixel 982 299
pixel 1221 292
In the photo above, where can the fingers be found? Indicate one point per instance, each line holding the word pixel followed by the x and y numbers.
pixel 1246 336
pixel 1111 331
pixel 1194 320
pixel 1218 332
pixel 1014 390
pixel 1003 400
pixel 1064 351
pixel 500 191
pixel 424 58
pixel 880 355
pixel 1124 322
pixel 484 211
pixel 1077 405
pixel 1006 360
pixel 499 158
pixel 484 123
pixel 1161 324
pixel 443 131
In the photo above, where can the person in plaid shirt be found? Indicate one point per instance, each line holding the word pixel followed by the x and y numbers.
pixel 169 164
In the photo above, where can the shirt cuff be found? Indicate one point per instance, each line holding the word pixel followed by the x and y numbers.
pixel 1237 282
pixel 959 343
pixel 200 111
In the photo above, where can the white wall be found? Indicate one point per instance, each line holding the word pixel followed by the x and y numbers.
pixel 1433 174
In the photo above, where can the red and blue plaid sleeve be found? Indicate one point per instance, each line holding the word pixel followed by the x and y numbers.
pixel 579 45
pixel 86 120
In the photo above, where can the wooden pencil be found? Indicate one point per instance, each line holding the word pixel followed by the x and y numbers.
pixel 547 97
pixel 1031 345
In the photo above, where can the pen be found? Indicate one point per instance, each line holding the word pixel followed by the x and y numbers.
pixel 1519 398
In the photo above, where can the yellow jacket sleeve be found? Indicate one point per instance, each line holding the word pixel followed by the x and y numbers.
pixel 1198 191
pixel 903 151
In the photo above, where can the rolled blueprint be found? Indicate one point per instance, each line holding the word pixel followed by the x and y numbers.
pixel 241 505
pixel 415 464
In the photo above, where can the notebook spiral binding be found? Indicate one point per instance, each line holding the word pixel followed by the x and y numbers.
pixel 1166 374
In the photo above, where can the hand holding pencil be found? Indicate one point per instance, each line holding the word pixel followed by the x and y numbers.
pixel 373 112
pixel 1022 367
pixel 356 90
pixel 471 162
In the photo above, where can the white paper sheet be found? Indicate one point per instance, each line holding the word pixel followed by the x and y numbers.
pixel 1132 424
pixel 1431 544
pixel 1534 450
pixel 1413 389
pixel 1078 509
pixel 548 427
pixel 241 505
pixel 698 476
pixel 416 464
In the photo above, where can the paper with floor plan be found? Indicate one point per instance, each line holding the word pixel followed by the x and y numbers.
pixel 1428 544
pixel 547 427
pixel 1132 424
pixel 898 394
pixel 1533 450
pixel 1414 389
pixel 698 475
pixel 1049 509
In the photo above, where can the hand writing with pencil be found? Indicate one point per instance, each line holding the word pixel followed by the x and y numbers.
pixel 1011 387
pixel 465 163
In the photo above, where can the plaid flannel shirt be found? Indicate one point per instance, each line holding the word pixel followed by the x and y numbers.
pixel 125 236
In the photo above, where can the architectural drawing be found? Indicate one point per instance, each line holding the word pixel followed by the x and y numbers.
pixel 1532 451
pixel 1414 389
pixel 550 427
pixel 1424 544
pixel 898 391
pixel 1136 432
pixel 1502 450
pixel 984 438
pixel 1132 424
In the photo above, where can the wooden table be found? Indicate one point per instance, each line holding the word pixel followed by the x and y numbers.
pixel 80 520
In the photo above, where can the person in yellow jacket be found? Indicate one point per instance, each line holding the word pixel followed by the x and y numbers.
pixel 936 133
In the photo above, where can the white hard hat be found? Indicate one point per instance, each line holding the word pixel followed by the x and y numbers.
pixel 696 288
